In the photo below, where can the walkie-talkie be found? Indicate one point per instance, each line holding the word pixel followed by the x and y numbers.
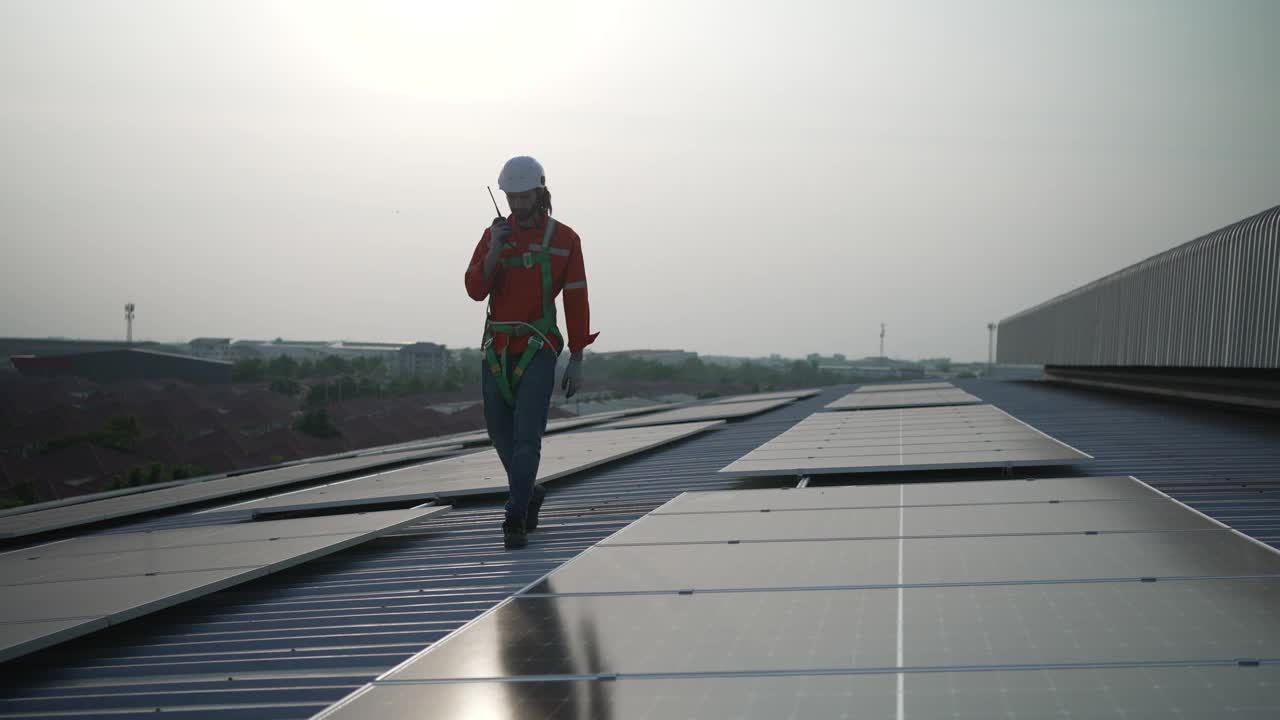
pixel 499 218
pixel 495 204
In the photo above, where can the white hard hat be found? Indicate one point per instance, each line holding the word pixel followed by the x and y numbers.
pixel 521 174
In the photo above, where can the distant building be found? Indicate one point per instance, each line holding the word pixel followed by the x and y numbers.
pixel 389 353
pixel 272 349
pixel 211 348
pixel 246 349
pixel 423 359
pixel 10 347
pixel 871 366
pixel 126 364
pixel 773 361
pixel 296 349
pixel 313 350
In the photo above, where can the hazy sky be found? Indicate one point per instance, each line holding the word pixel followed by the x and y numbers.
pixel 747 177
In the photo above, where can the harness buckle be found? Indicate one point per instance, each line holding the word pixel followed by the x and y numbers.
pixel 528 259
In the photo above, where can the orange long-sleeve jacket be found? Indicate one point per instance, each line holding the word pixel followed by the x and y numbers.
pixel 515 293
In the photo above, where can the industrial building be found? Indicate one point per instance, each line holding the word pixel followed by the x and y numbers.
pixel 105 366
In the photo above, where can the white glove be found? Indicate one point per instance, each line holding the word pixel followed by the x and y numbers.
pixel 572 381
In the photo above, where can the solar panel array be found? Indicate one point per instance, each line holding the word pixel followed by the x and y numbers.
pixel 1161 613
pixel 54 592
pixel 477 473
pixel 908 398
pixel 703 413
pixel 781 395
pixel 1116 694
pixel 904 439
pixel 481 437
pixel 901 387
pixel 106 494
pixel 206 491
pixel 61 590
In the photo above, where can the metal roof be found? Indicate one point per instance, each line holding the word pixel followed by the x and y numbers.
pixel 289 645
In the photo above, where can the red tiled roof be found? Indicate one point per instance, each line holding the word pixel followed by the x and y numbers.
pixel 158 448
pixel 221 441
pixel 38 427
pixel 73 470
pixel 364 432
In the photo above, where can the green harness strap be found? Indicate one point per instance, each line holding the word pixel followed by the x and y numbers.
pixel 538 331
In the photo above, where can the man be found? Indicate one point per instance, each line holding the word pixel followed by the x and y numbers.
pixel 521 263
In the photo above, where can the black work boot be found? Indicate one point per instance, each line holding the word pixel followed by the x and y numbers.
pixel 513 533
pixel 535 506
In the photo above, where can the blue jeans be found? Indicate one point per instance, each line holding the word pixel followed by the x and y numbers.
pixel 517 432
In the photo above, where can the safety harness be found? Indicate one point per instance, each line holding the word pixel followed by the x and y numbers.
pixel 538 330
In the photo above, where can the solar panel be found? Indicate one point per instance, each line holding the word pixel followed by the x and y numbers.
pixel 91 497
pixel 701 632
pixel 1028 490
pixel 930 493
pixel 808 630
pixel 1082 557
pixel 913 398
pixel 43 633
pixel 1111 693
pixel 905 439
pixel 147 540
pixel 64 595
pixel 160 560
pixel 901 387
pixel 206 491
pixel 703 413
pixel 741 698
pixel 928 521
pixel 860 563
pixel 1078 625
pixel 756 526
pixel 782 395
pixel 1051 624
pixel 481 437
pixel 463 440
pixel 477 473
pixel 721 566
